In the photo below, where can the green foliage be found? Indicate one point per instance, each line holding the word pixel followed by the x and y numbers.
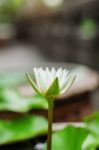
pixel 9 8
pixel 11 100
pixel 22 128
pixel 28 126
pixel 69 138
pixel 92 125
pixel 88 28
pixel 25 127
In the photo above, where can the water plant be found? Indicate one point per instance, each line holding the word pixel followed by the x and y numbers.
pixel 51 84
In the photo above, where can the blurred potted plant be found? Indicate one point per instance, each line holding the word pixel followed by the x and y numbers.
pixel 8 15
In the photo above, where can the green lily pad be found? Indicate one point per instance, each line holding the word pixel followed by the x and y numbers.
pixel 91 142
pixel 70 138
pixel 11 100
pixel 92 125
pixel 22 128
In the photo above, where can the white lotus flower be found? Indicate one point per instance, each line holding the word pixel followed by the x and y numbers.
pixel 51 83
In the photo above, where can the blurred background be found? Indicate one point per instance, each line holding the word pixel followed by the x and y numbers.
pixel 46 33
pixel 65 32
pixel 49 30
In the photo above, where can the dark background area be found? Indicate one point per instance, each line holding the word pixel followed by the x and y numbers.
pixel 67 33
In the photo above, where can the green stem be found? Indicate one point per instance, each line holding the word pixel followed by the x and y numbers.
pixel 50 120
